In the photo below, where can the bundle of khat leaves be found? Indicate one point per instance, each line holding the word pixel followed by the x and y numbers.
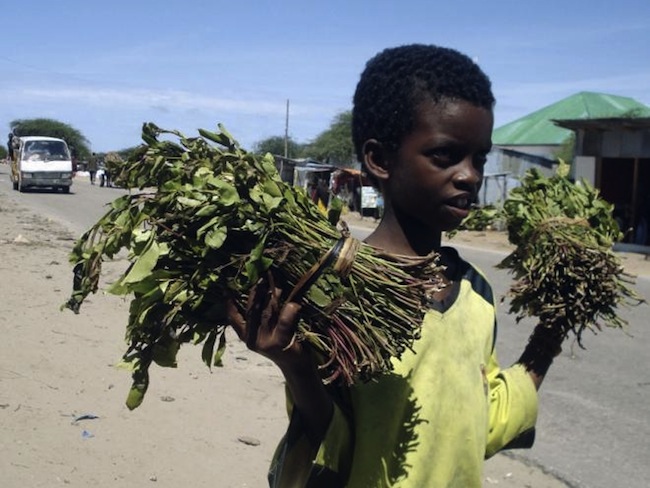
pixel 209 222
pixel 566 274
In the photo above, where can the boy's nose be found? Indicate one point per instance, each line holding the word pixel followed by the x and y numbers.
pixel 468 174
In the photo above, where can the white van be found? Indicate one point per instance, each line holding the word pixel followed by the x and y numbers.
pixel 41 162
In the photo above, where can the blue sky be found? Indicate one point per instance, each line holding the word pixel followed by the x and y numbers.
pixel 105 68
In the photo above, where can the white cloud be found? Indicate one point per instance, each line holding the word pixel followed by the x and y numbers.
pixel 165 101
pixel 138 98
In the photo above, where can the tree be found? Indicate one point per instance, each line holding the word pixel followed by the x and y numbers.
pixel 3 152
pixel 334 145
pixel 118 155
pixel 275 145
pixel 77 142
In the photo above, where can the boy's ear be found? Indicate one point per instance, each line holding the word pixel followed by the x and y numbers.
pixel 375 159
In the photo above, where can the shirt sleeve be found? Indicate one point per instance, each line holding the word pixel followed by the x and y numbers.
pixel 298 463
pixel 513 406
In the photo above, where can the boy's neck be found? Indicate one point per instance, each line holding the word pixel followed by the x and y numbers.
pixel 404 237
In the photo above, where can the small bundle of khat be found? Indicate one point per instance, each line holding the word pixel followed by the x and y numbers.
pixel 566 274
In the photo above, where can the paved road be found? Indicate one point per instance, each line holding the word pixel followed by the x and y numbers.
pixel 594 425
pixel 78 210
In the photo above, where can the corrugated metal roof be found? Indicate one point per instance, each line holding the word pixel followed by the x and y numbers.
pixel 618 123
pixel 538 127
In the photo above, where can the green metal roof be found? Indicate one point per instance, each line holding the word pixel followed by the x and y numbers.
pixel 538 128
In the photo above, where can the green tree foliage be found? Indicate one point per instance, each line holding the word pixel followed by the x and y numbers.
pixel 3 152
pixel 275 145
pixel 79 145
pixel 122 154
pixel 127 152
pixel 334 145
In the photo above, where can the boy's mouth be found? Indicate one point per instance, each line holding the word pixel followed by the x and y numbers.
pixel 462 202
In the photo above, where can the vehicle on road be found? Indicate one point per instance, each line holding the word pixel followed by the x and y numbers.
pixel 42 162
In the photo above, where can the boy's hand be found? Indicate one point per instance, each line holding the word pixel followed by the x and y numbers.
pixel 271 330
pixel 266 327
pixel 544 344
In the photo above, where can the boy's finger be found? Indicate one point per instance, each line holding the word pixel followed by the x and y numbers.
pixel 257 303
pixel 271 310
pixel 287 325
pixel 289 313
pixel 235 318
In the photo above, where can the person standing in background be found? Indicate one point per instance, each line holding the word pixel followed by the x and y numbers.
pixel 12 145
pixel 10 149
pixel 92 168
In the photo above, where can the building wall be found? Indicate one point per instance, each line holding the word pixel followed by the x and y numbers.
pixel 617 162
pixel 504 169
pixel 614 143
pixel 584 167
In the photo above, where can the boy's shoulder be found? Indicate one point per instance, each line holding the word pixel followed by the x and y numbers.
pixel 466 270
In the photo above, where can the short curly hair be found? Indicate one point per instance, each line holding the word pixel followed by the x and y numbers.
pixel 398 79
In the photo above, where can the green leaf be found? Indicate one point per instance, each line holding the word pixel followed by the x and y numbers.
pixel 219 138
pixel 318 296
pixel 164 353
pixel 189 202
pixel 206 211
pixel 144 264
pixel 136 396
pixel 118 288
pixel 216 237
pixel 563 169
pixel 268 165
pixel 228 194
pixel 272 188
pixel 139 385
pixel 208 348
pixel 218 355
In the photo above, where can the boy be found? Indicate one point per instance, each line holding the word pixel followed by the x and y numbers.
pixel 422 125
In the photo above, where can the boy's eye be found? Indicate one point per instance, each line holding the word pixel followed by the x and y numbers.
pixel 445 156
pixel 480 160
pixel 449 156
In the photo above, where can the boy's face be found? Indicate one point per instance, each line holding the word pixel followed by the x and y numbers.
pixel 436 173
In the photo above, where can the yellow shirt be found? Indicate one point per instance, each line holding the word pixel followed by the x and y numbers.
pixel 429 423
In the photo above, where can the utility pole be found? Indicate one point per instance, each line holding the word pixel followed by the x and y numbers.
pixel 286 133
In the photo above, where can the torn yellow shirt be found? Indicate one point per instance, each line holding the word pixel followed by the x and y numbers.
pixel 434 419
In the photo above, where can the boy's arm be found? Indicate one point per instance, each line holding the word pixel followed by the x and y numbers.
pixel 513 400
pixel 299 462
pixel 317 444
pixel 513 407
pixel 270 331
pixel 310 398
pixel 543 346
